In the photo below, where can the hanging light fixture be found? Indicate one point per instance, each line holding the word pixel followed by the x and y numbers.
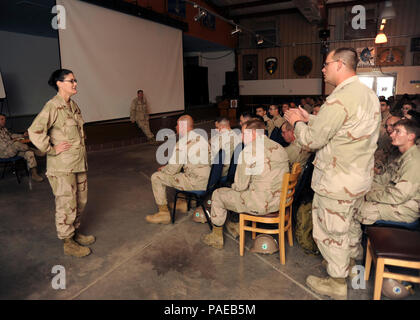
pixel 236 30
pixel 381 37
pixel 201 13
pixel 388 12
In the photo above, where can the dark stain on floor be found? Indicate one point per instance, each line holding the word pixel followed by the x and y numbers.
pixel 179 256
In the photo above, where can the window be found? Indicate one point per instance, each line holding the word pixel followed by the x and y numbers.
pixel 382 85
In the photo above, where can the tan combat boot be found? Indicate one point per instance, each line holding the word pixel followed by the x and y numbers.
pixel 83 240
pixel 35 176
pixel 181 206
pixel 215 238
pixel 352 273
pixel 162 216
pixel 232 228
pixel 335 288
pixel 71 248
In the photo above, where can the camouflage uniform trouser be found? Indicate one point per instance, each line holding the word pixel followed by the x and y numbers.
pixel 336 232
pixel 371 211
pixel 224 199
pixel 21 150
pixel 145 127
pixel 162 180
pixel 70 191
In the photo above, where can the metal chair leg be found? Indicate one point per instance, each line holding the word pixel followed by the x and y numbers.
pixel 16 172
pixel 207 216
pixel 174 208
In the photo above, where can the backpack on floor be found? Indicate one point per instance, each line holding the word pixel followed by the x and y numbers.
pixel 304 228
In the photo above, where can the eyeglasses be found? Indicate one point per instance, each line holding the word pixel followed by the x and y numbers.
pixel 73 81
pixel 327 63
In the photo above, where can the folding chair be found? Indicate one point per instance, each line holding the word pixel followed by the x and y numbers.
pixel 13 163
pixel 212 184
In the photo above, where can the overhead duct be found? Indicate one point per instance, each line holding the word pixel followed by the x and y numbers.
pixel 310 9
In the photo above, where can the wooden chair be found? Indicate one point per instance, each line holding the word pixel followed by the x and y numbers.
pixel 283 217
pixel 394 247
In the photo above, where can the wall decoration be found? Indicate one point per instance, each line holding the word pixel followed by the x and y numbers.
pixel 416 59
pixel 415 44
pixel 177 7
pixel 390 56
pixel 250 67
pixel 302 65
pixel 366 57
pixel 271 65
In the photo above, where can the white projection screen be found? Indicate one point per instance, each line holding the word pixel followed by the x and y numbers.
pixel 113 54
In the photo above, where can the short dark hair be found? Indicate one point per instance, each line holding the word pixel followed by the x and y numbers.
pixel 138 91
pixel 287 126
pixel 255 124
pixel 58 75
pixel 276 106
pixel 383 99
pixel 348 56
pixel 261 107
pixel 2 114
pixel 410 125
pixel 257 117
pixel 246 114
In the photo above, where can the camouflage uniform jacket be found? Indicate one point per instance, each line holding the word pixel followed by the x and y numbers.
pixel 226 140
pixel 274 122
pixel 187 156
pixel 297 154
pixel 260 185
pixel 399 185
pixel 57 122
pixel 345 133
pixel 6 143
pixel 138 110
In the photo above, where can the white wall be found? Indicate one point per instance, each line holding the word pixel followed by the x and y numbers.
pixel 281 87
pixel 26 63
pixel 218 63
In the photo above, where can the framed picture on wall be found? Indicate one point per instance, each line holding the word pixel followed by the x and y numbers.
pixel 250 67
pixel 390 56
pixel 177 7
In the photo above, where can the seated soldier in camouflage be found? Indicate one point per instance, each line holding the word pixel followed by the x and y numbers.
pixel 276 120
pixel 11 147
pixel 262 112
pixel 295 151
pixel 257 186
pixel 386 152
pixel 395 195
pixel 224 138
pixel 191 154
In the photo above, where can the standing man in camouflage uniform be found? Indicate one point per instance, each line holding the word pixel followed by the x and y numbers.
pixel 294 150
pixel 395 195
pixel 345 133
pixel 276 121
pixel 191 154
pixel 10 147
pixel 258 181
pixel 58 131
pixel 140 115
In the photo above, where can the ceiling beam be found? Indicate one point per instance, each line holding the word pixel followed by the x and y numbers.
pixel 264 14
pixel 351 3
pixel 253 4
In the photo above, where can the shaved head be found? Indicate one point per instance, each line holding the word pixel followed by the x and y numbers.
pixel 184 122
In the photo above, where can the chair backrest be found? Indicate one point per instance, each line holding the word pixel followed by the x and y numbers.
pixel 216 170
pixel 288 189
pixel 306 175
pixel 234 162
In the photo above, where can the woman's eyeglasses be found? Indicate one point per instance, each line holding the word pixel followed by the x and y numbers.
pixel 73 81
